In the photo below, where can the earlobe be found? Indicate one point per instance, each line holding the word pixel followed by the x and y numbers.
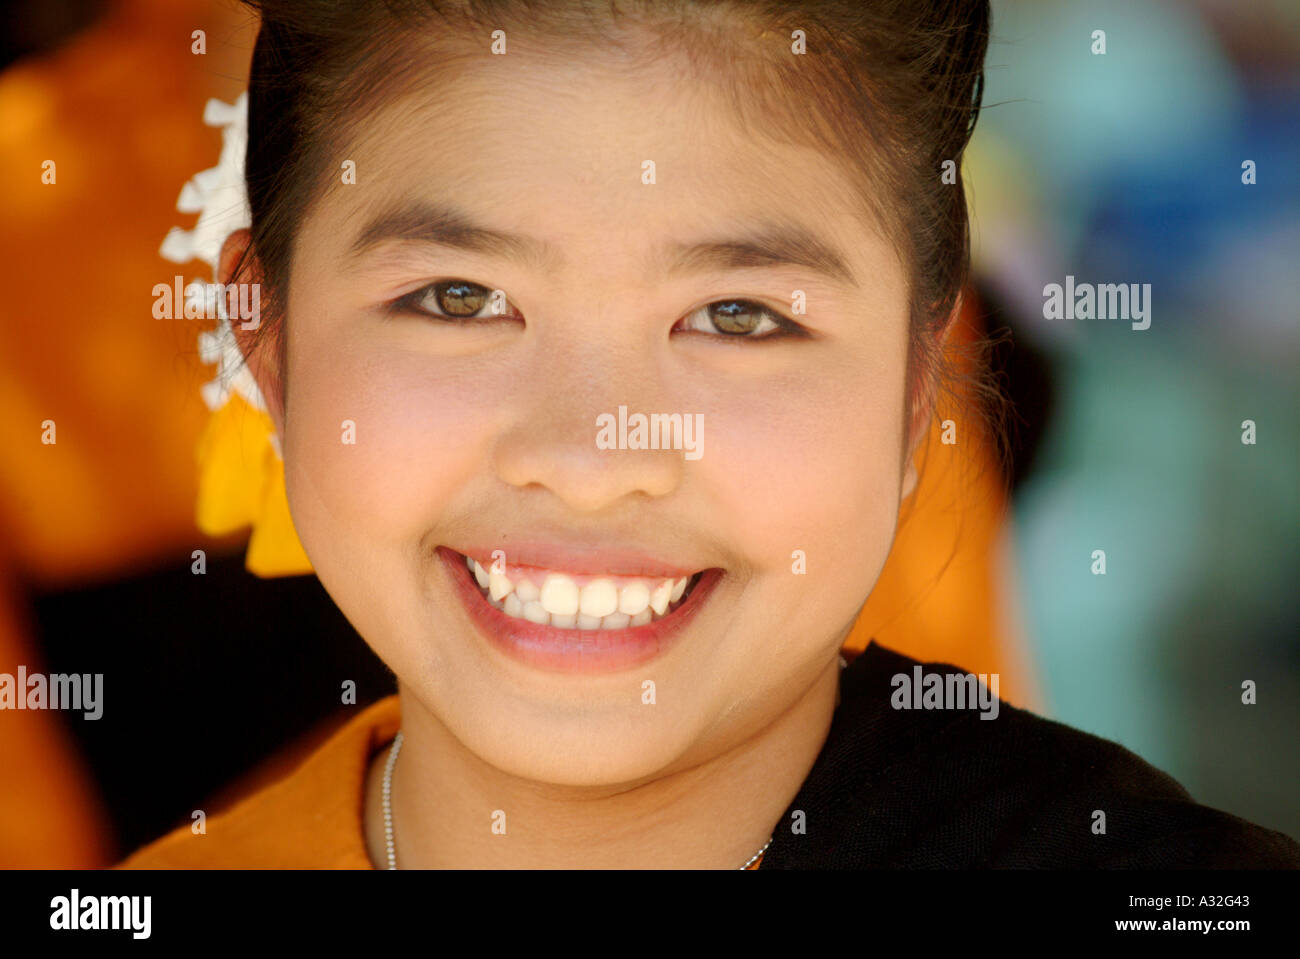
pixel 919 426
pixel 237 265
pixel 910 474
pixel 918 431
pixel 910 478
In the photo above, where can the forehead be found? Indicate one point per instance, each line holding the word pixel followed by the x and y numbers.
pixel 591 153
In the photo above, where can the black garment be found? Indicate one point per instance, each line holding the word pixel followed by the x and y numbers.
pixel 945 789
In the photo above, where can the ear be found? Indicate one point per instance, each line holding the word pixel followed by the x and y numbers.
pixel 257 345
pixel 923 411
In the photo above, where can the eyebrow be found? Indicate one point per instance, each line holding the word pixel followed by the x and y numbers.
pixel 766 243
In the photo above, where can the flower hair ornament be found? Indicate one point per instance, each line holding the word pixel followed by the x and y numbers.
pixel 241 472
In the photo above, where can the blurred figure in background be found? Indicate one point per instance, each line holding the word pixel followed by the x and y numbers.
pixel 1165 152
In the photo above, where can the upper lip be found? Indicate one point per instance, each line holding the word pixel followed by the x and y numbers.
pixel 584 560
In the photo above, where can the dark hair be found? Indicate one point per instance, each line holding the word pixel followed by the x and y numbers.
pixel 892 88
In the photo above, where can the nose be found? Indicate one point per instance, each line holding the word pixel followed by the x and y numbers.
pixel 552 441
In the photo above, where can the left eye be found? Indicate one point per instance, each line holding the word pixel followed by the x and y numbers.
pixel 455 300
pixel 738 319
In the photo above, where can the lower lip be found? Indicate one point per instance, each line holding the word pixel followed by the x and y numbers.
pixel 581 651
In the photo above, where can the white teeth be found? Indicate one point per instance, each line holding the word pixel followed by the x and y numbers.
pixel 559 595
pixel 599 598
pixel 498 585
pixel 659 599
pixel 603 603
pixel 634 598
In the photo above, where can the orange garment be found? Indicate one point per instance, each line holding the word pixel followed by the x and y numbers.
pixel 309 819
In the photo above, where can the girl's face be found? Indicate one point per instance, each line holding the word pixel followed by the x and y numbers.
pixel 407 435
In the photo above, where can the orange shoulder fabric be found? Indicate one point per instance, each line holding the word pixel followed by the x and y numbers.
pixel 310 819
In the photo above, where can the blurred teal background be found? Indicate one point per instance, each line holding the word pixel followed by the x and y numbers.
pixel 1126 167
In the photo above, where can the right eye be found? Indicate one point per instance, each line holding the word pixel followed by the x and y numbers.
pixel 456 300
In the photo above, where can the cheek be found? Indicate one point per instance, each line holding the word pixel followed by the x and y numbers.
pixel 377 443
pixel 814 465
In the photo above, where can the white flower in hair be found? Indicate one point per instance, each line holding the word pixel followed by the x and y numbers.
pixel 219 197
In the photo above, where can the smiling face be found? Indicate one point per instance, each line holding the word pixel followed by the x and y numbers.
pixel 475 434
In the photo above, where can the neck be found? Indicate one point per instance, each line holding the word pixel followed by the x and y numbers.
pixel 715 814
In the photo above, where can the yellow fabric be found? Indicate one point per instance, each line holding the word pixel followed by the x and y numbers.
pixel 241 483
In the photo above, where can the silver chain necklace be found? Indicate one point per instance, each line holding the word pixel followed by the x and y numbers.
pixel 388 801
pixel 388 809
